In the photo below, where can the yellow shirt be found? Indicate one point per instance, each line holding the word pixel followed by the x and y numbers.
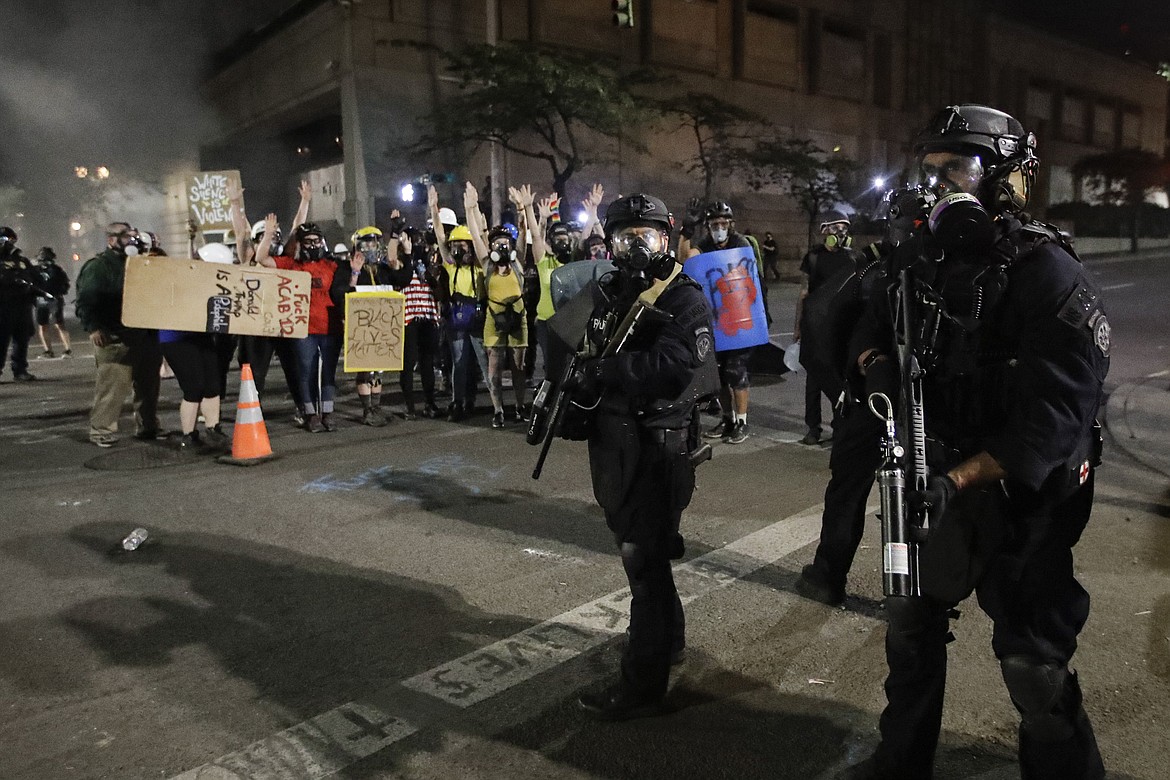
pixel 465 280
pixel 544 268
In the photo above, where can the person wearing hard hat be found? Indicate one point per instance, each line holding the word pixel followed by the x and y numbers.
pixel 468 306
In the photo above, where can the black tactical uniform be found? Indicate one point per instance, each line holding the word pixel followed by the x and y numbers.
pixel 17 278
pixel 641 435
pixel 1017 372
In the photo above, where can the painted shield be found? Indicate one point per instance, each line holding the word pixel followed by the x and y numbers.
pixel 731 283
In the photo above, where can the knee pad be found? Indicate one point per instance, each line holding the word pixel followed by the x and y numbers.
pixel 633 560
pixel 915 624
pixel 1046 695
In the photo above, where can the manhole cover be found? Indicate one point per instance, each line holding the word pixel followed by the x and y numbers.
pixel 138 458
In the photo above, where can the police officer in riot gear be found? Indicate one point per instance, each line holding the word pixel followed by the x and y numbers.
pixel 17 282
pixel 1013 380
pixel 637 408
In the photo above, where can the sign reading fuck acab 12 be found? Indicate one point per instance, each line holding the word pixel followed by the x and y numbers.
pixel 207 199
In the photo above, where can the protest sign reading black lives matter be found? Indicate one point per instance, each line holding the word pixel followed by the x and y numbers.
pixel 241 300
pixel 207 198
pixel 374 325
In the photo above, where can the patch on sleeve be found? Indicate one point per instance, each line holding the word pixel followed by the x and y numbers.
pixel 1099 327
pixel 1079 306
pixel 697 313
pixel 704 343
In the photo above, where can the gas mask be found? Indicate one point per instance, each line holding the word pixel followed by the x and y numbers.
pixel 719 235
pixel 959 223
pixel 562 246
pixel 639 252
pixel 312 248
pixel 502 254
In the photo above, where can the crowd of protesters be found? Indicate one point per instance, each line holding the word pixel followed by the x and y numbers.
pixel 478 300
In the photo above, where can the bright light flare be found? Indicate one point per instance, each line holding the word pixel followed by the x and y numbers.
pixel 407 193
pixel 582 215
pixel 879 182
pixel 81 171
pixel 75 227
pixel 103 172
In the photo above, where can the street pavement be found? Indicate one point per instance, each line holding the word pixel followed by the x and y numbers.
pixel 407 602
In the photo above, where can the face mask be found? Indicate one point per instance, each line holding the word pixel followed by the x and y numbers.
pixel 832 241
pixel 960 224
pixel 130 249
pixel 562 247
pixel 719 235
pixel 312 253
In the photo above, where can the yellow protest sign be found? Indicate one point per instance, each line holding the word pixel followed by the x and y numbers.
pixel 374 325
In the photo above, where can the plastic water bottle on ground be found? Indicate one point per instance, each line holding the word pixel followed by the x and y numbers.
pixel 135 539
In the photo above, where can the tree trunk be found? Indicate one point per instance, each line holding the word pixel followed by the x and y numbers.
pixel 1135 228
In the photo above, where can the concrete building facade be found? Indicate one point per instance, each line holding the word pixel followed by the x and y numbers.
pixel 336 90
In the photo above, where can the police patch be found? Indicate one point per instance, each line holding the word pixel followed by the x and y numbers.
pixel 1099 327
pixel 704 343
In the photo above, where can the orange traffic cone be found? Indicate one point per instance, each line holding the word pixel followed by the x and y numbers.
pixel 249 435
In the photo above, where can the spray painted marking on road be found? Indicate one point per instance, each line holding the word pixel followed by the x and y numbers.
pixel 313 749
pixel 416 484
pixel 1118 286
pixel 329 742
pixel 486 672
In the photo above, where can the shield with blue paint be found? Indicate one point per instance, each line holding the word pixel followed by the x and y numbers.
pixel 731 282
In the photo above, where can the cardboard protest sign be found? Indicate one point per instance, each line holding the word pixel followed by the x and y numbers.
pixel 374 325
pixel 731 283
pixel 245 300
pixel 207 199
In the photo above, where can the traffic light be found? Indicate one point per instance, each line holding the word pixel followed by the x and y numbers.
pixel 623 13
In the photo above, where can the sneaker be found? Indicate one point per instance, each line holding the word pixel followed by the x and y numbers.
pixel 190 443
pixel 67 353
pixel 810 439
pixel 431 412
pixel 48 353
pixel 618 703
pixel 104 440
pixel 520 417
pixel 327 421
pixel 738 433
pixel 24 376
pixel 313 424
pixel 812 585
pixel 720 430
pixel 298 419
pixel 216 436
pixel 498 420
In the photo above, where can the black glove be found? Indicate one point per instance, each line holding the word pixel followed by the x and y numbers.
pixel 940 489
pixel 882 377
pixel 586 378
pixel 692 217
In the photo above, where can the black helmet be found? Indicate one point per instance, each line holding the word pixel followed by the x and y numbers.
pixel 972 128
pixel 720 208
pixel 500 231
pixel 637 208
pixel 559 228
pixel 46 254
pixel 9 233
pixel 1005 150
pixel 309 229
pixel 834 217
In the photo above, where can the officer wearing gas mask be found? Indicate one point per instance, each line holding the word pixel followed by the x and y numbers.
pixel 642 427
pixel 1012 383
pixel 17 280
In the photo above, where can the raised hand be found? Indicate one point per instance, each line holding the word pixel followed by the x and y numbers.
pixel 306 191
pixel 432 198
pixel 546 207
pixel 270 225
pixel 235 192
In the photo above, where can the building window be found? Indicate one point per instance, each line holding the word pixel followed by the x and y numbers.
pixel 1104 126
pixel 843 71
pixel 1060 185
pixel 1038 110
pixel 1131 130
pixel 685 34
pixel 1073 120
pixel 771 44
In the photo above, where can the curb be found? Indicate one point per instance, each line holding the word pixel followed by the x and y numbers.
pixel 1148 445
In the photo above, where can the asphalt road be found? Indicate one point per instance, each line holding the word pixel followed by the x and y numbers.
pixel 409 603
